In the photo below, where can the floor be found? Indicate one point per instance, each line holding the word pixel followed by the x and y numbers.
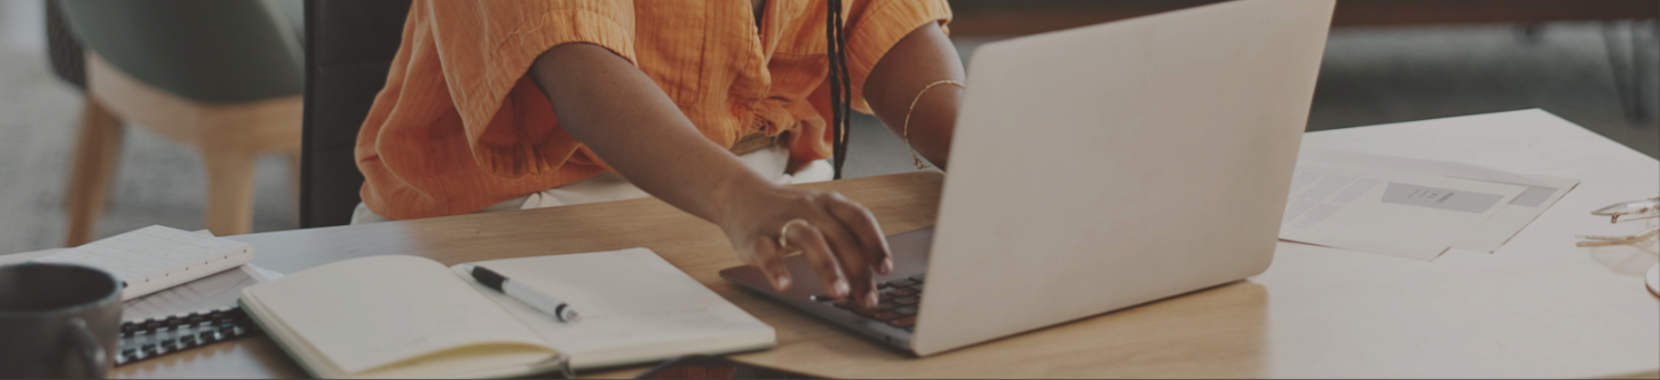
pixel 1370 76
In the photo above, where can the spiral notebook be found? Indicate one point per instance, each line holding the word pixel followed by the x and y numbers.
pixel 194 314
pixel 407 316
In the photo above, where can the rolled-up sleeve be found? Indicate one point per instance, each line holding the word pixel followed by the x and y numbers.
pixel 874 26
pixel 485 48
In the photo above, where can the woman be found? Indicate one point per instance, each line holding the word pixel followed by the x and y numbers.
pixel 710 106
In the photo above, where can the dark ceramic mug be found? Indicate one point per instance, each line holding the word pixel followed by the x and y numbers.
pixel 58 321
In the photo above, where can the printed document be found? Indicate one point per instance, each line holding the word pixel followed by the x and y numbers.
pixel 1541 191
pixel 1396 213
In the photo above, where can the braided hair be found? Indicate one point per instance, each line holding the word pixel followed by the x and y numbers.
pixel 841 93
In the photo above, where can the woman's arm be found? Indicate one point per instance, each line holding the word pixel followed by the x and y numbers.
pixel 924 56
pixel 619 113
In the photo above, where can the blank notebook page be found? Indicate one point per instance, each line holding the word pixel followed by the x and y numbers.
pixel 634 307
pixel 370 312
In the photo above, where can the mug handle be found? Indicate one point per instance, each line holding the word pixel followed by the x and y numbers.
pixel 91 352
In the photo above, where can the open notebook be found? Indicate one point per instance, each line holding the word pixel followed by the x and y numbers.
pixel 406 316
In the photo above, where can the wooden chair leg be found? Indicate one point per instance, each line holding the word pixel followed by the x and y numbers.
pixel 230 175
pixel 96 151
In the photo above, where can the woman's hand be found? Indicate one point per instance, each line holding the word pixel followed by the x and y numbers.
pixel 617 111
pixel 840 238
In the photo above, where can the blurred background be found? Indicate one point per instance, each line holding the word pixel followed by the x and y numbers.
pixel 1592 62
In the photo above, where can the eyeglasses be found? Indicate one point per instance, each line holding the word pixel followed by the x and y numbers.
pixel 1645 208
pixel 1633 210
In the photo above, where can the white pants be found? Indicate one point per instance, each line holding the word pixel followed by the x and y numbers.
pixel 770 162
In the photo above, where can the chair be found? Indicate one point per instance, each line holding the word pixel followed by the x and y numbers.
pixel 223 76
pixel 349 49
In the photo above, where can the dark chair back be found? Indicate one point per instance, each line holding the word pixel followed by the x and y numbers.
pixel 62 48
pixel 212 51
pixel 349 49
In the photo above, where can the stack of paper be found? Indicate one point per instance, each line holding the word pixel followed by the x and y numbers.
pixel 1409 207
pixel 212 285
pixel 214 292
pixel 153 258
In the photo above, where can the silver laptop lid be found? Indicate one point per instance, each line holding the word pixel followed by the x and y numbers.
pixel 1103 167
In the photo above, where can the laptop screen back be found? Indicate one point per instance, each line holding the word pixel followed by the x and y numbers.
pixel 1103 167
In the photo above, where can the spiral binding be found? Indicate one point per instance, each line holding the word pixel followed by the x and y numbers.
pixel 151 338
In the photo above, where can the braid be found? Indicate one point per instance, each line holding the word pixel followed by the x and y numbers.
pixel 841 93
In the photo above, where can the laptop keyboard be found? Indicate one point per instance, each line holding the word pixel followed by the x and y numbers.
pixel 896 306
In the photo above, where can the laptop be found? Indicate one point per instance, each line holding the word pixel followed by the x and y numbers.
pixel 1096 169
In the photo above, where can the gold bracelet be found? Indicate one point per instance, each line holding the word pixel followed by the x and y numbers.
pixel 905 133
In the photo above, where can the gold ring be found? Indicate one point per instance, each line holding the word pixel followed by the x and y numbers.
pixel 782 232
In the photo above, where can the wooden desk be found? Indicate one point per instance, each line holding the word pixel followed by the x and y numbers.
pixel 1539 307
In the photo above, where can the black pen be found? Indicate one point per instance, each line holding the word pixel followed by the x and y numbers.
pixel 538 300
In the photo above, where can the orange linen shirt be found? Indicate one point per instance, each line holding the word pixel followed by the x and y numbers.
pixel 459 126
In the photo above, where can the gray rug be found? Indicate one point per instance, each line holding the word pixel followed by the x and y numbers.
pixel 1371 75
